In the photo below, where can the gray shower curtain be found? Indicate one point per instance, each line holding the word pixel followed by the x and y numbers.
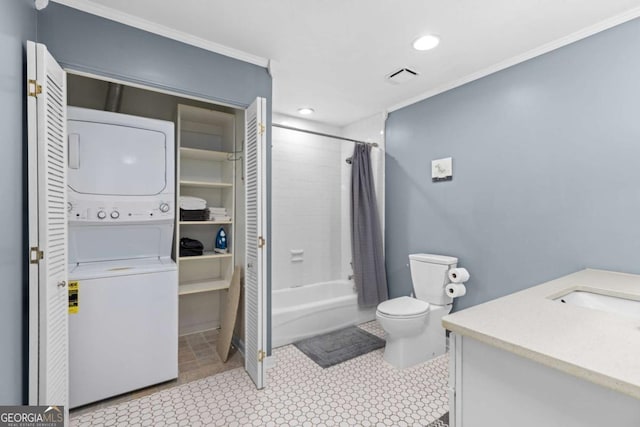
pixel 369 271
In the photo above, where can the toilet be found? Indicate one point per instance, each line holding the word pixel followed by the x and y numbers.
pixel 413 325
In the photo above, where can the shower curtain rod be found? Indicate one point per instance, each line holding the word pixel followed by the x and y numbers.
pixel 275 125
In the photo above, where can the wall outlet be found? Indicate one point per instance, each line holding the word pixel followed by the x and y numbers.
pixel 442 170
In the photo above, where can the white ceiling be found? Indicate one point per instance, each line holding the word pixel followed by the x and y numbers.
pixel 333 55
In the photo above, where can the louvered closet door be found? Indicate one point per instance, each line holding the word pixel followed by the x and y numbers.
pixel 256 249
pixel 48 226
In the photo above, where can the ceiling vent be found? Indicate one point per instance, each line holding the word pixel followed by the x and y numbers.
pixel 402 75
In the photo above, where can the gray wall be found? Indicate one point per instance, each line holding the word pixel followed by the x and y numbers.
pixel 84 42
pixel 17 24
pixel 546 159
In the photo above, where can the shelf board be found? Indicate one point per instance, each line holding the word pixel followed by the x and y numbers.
pixel 205 184
pixel 205 222
pixel 197 119
pixel 207 255
pixel 198 154
pixel 202 286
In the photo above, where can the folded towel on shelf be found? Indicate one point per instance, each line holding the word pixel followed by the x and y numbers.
pixel 194 215
pixel 218 214
pixel 217 210
pixel 192 203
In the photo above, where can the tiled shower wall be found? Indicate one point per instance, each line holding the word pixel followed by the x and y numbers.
pixel 311 196
pixel 306 208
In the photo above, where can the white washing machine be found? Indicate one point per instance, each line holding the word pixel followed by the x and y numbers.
pixel 124 333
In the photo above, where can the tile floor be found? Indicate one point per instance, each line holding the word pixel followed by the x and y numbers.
pixel 197 358
pixel 364 391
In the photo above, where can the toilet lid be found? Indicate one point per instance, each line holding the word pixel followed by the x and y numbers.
pixel 403 306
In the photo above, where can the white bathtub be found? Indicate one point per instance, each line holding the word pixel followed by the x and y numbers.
pixel 315 309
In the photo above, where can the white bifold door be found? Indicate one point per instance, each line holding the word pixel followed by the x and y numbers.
pixel 48 294
pixel 255 295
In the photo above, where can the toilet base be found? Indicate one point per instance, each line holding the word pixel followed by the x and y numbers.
pixel 431 342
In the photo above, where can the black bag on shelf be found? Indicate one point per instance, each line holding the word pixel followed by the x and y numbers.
pixel 191 247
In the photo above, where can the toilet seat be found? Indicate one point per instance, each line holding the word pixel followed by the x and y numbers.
pixel 403 307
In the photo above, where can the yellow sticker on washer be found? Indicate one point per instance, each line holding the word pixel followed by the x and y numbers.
pixel 73 297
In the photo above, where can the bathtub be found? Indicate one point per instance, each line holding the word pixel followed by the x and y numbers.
pixel 315 309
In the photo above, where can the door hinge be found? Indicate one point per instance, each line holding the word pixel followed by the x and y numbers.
pixel 33 88
pixel 261 242
pixel 35 255
pixel 261 355
pixel 261 128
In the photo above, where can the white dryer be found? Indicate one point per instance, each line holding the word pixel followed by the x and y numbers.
pixel 121 214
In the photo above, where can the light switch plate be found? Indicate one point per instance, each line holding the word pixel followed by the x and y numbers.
pixel 442 170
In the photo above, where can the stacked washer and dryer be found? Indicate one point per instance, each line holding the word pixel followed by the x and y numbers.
pixel 124 333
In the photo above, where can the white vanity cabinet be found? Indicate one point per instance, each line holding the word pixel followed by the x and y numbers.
pixel 491 387
pixel 532 358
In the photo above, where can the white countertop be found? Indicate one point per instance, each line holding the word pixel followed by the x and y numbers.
pixel 598 346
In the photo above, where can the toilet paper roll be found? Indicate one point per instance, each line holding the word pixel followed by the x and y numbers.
pixel 455 290
pixel 458 275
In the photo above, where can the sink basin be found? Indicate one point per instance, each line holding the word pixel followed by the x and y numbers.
pixel 616 305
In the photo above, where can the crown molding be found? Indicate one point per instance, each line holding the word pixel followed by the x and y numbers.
pixel 541 50
pixel 161 30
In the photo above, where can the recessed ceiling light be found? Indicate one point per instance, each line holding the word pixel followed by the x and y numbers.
pixel 305 111
pixel 426 42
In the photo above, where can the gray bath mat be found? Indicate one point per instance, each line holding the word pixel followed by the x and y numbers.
pixel 443 421
pixel 338 346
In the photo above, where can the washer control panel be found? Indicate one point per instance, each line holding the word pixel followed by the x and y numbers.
pixel 117 212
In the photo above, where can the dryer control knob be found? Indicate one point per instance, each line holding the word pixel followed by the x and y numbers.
pixel 164 207
pixel 115 214
pixel 102 214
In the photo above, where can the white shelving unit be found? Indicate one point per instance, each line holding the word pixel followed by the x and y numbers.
pixel 205 169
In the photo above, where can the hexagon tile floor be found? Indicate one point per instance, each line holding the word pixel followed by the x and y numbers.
pixel 365 391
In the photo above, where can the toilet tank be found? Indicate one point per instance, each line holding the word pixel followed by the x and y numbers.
pixel 429 277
